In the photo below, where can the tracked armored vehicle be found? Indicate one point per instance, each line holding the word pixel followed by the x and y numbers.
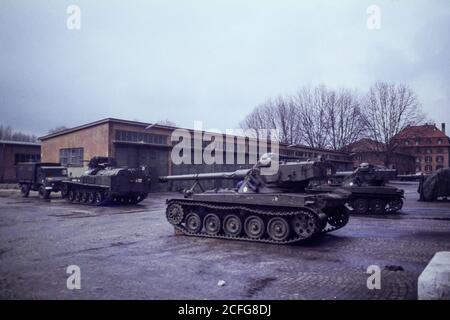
pixel 270 207
pixel 369 192
pixel 103 183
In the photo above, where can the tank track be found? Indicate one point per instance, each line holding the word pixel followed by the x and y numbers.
pixel 385 205
pixel 321 226
pixel 106 198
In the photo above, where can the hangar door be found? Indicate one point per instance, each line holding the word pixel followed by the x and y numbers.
pixel 153 157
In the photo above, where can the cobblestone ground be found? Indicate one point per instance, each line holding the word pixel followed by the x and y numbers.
pixel 132 253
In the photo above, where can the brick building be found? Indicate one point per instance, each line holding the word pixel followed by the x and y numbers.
pixel 429 146
pixel 370 151
pixel 422 148
pixel 12 152
pixel 134 143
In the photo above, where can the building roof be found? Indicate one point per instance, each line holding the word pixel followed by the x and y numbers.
pixel 364 145
pixel 102 121
pixel 145 124
pixel 422 131
pixel 20 143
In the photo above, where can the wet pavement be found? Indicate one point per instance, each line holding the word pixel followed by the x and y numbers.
pixel 131 252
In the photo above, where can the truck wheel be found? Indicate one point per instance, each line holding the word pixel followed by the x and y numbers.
pixel 44 194
pixel 25 190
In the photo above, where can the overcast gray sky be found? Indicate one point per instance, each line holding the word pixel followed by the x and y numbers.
pixel 209 60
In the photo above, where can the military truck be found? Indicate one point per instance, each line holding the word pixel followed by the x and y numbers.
pixel 104 183
pixel 269 207
pixel 369 192
pixel 44 177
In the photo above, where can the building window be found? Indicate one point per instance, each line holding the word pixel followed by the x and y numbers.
pixel 418 159
pixel 417 142
pixel 439 167
pixel 418 168
pixel 439 141
pixel 439 159
pixel 406 143
pixel 428 168
pixel 429 151
pixel 23 157
pixel 439 150
pixel 71 157
pixel 428 141
pixel 428 159
pixel 131 136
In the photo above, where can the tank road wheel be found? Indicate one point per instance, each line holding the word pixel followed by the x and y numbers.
pixel 278 229
pixel 254 227
pixel 133 199
pixel 338 219
pixel 77 196
pixel 71 196
pixel 394 205
pixel 232 225
pixel 98 197
pixel 174 214
pixel 84 197
pixel 25 190
pixel 360 206
pixel 377 206
pixel 211 223
pixel 141 197
pixel 304 225
pixel 193 223
pixel 91 197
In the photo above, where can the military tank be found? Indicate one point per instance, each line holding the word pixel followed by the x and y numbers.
pixel 104 183
pixel 270 208
pixel 369 192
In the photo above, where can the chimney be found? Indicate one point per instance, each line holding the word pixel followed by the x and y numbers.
pixel 443 127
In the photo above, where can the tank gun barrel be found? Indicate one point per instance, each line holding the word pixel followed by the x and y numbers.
pixel 238 174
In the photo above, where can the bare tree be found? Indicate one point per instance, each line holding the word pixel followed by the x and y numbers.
pixel 57 129
pixel 317 117
pixel 278 113
pixel 344 119
pixel 7 133
pixel 388 109
pixel 311 116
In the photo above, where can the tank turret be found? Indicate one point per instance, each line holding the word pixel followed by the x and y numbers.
pixel 270 203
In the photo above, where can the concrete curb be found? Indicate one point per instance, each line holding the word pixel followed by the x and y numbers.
pixel 434 281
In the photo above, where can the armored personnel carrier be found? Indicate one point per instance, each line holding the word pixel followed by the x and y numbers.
pixel 44 177
pixel 104 183
pixel 269 207
pixel 369 192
